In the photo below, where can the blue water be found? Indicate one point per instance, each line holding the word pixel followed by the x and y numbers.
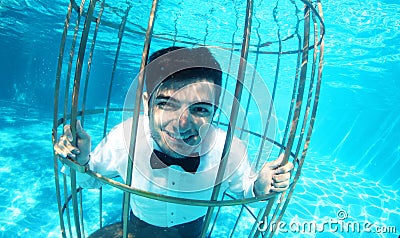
pixel 351 170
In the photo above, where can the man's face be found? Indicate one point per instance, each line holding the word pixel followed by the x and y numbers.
pixel 180 115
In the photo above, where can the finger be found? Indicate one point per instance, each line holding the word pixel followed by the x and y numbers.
pixel 285 169
pixel 284 184
pixel 64 151
pixel 59 151
pixel 70 148
pixel 276 163
pixel 64 148
pixel 63 142
pixel 68 132
pixel 281 177
pixel 278 190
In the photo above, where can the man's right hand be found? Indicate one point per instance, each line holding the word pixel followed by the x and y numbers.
pixel 64 147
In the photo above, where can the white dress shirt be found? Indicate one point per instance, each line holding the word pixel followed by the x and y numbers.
pixel 110 159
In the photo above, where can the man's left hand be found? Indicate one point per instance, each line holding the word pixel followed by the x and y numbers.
pixel 273 177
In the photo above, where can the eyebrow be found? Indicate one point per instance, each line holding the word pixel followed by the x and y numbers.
pixel 163 97
pixel 203 103
pixel 169 98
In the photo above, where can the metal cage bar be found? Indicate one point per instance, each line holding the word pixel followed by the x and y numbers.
pixel 74 109
pixel 136 112
pixel 84 100
pixel 299 123
pixel 120 36
pixel 234 113
pixel 55 116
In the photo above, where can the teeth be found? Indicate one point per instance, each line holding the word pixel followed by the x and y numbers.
pixel 178 137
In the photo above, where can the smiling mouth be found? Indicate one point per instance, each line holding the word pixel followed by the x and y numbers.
pixel 185 138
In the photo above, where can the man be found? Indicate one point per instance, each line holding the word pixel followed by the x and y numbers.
pixel 178 150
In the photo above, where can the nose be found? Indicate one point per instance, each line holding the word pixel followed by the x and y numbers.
pixel 184 120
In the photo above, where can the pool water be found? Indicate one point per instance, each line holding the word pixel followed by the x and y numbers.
pixel 350 182
pixel 324 193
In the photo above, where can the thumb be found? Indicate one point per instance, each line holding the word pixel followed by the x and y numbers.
pixel 276 163
pixel 80 132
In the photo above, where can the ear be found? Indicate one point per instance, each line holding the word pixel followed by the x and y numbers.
pixel 145 99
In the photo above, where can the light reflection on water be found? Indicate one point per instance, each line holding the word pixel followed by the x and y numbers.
pixel 362 53
pixel 28 204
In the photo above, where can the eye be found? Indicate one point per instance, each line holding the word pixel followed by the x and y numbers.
pixel 161 104
pixel 201 110
pixel 166 105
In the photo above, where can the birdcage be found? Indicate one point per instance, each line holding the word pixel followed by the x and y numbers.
pixel 271 55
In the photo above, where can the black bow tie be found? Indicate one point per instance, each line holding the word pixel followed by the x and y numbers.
pixel 159 160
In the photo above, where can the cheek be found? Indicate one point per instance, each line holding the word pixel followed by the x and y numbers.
pixel 203 123
pixel 160 119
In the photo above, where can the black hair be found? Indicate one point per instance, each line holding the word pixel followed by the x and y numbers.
pixel 182 63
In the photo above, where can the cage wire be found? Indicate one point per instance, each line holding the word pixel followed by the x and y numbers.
pixel 271 55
